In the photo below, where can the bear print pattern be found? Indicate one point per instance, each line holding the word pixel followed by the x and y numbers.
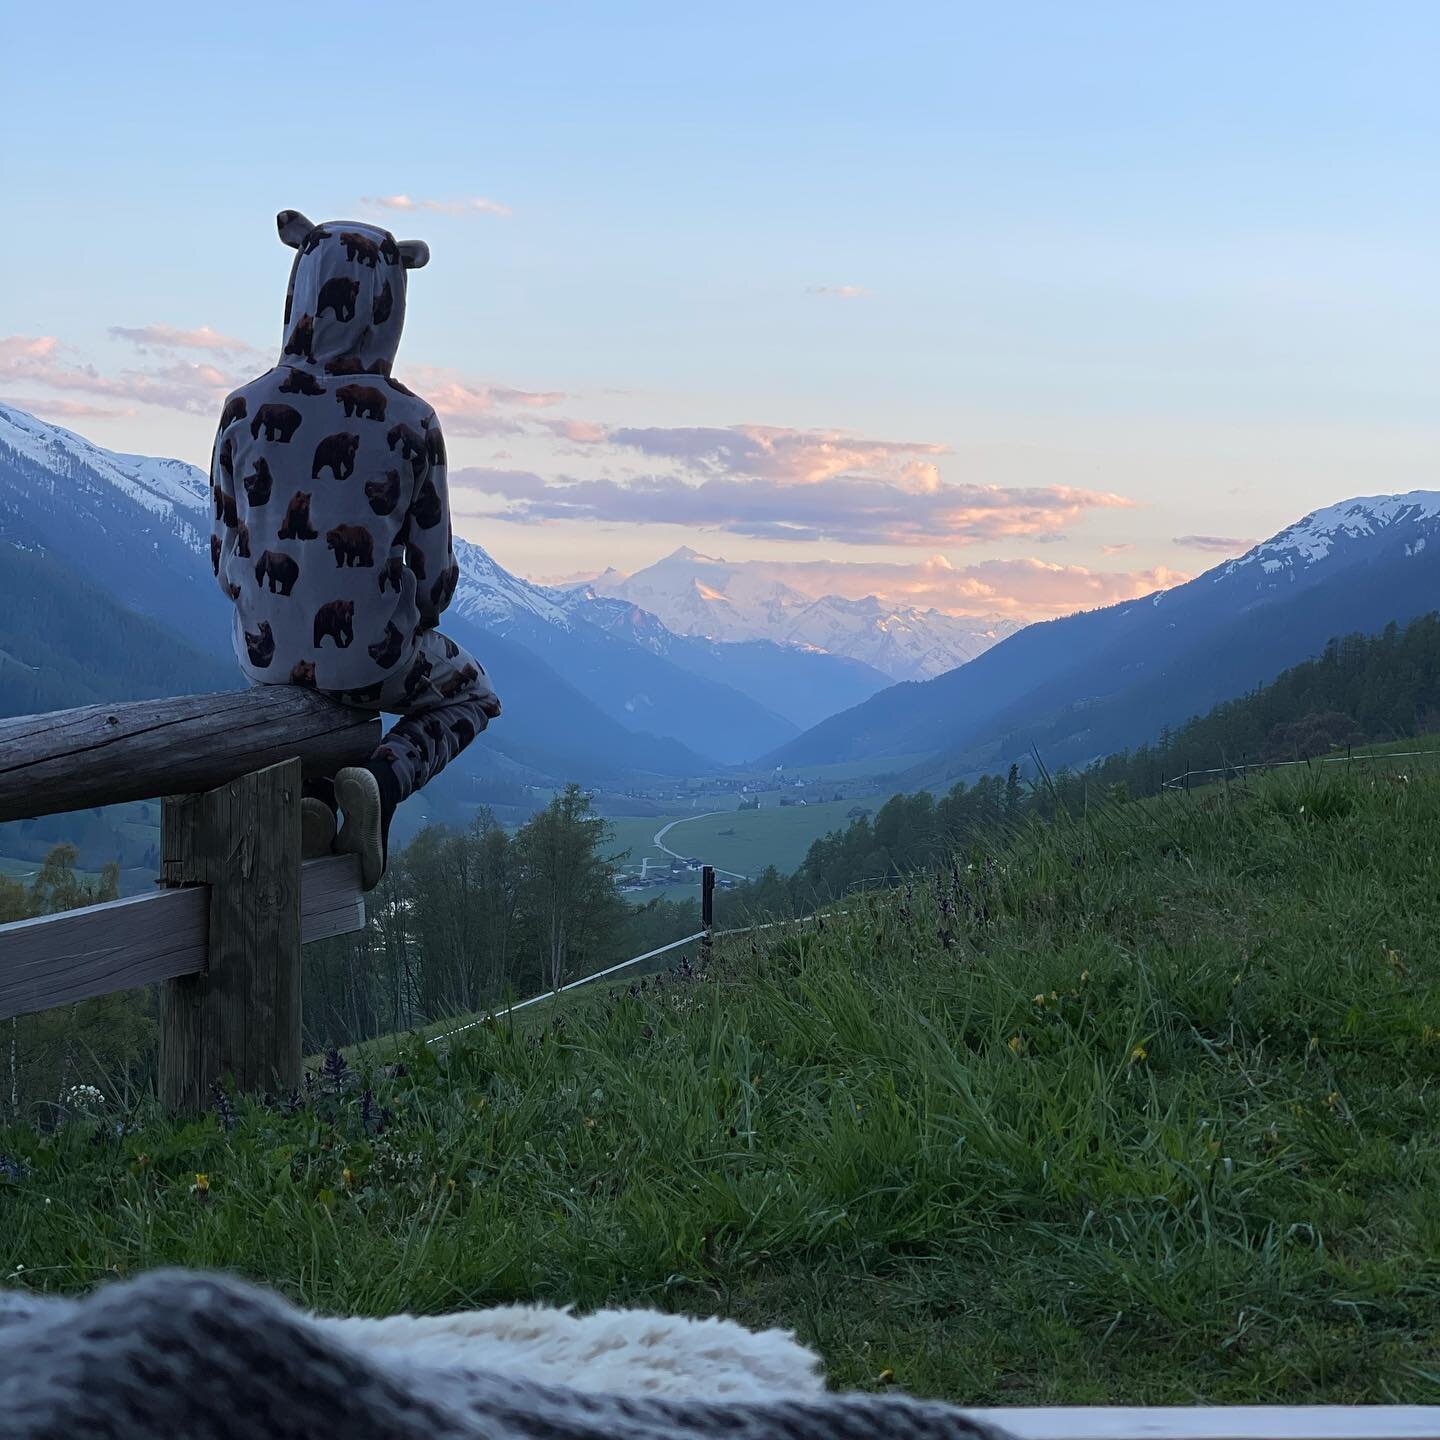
pixel 331 530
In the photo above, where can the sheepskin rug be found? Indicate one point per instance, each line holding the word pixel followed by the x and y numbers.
pixel 624 1352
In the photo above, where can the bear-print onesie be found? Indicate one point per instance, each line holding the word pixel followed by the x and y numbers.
pixel 331 515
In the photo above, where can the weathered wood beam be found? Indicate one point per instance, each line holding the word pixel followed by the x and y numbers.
pixel 59 959
pixel 106 754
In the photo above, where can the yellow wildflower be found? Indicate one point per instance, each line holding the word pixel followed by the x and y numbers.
pixel 1138 1054
pixel 202 1182
pixel 347 1175
pixel 1333 1099
pixel 1016 1044
pixel 886 1376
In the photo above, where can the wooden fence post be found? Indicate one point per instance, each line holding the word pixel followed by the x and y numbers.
pixel 707 908
pixel 241 1016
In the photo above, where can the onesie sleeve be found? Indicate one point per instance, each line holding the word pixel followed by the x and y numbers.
pixel 430 530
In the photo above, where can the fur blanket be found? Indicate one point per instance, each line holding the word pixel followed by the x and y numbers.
pixel 207 1357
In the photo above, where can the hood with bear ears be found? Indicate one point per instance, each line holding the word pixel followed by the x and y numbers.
pixel 345 305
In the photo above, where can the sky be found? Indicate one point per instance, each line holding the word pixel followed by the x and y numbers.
pixel 1007 309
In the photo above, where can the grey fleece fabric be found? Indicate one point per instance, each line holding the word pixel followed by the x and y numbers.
pixel 205 1357
pixel 332 519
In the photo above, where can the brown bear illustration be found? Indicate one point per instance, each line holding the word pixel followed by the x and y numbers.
pixel 242 541
pixel 427 509
pixel 434 732
pixel 384 495
pixel 434 444
pixel 384 304
pixel 467 675
pixel 415 559
pixel 416 676
pixel 215 554
pixel 279 422
pixel 391 251
pixel 313 239
pixel 218 496
pixel 302 339
pixel 279 569
pixel 399 386
pixel 451 648
pixel 258 485
pixel 365 695
pixel 234 410
pixel 227 457
pixel 463 731
pixel 443 590
pixel 338 295
pixel 296 525
pixel 233 591
pixel 228 513
pixel 354 546
pixel 261 647
pixel 336 453
pixel 363 400
pixel 412 446
pixel 386 652
pixel 303 673
pixel 300 382
pixel 360 247
pixel 335 618
pixel 390 573
pixel 344 365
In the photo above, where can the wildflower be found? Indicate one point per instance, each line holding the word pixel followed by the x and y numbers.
pixel 347 1177
pixel 223 1106
pixel 1040 1000
pixel 335 1069
pixel 12 1168
pixel 1138 1055
pixel 201 1188
pixel 1016 1044
pixel 886 1376
pixel 1429 1035
pixel 142 1160
pixel 83 1096
pixel 1332 1099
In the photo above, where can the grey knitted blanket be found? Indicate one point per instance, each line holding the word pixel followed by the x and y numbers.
pixel 206 1357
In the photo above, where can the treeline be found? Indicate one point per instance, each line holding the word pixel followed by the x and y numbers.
pixel 464 918
pixel 1360 689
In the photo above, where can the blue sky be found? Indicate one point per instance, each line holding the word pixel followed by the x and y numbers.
pixel 975 305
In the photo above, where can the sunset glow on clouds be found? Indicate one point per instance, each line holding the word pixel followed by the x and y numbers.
pixel 473 205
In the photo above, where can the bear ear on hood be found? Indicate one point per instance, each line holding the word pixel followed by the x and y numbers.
pixel 293 227
pixel 414 254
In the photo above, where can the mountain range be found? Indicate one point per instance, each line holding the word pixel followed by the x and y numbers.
pixel 1090 684
pixel 695 594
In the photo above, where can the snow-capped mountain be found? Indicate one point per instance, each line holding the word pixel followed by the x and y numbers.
pixel 695 594
pixel 1089 684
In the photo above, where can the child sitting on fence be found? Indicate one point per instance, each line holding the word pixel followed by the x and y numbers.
pixel 332 531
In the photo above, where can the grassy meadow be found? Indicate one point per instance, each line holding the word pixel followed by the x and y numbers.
pixel 1143 1108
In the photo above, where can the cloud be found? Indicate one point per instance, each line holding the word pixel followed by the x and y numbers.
pixel 196 389
pixel 840 292
pixel 1222 544
pixel 471 205
pixel 167 337
pixel 845 509
pixel 477 407
pixel 769 452
pixel 1116 549
pixel 54 406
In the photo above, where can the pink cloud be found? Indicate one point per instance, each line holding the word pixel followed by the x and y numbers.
pixel 475 407
pixel 53 406
pixel 471 205
pixel 167 337
pixel 840 292
pixel 196 389
pixel 1116 549
pixel 841 508
pixel 1221 544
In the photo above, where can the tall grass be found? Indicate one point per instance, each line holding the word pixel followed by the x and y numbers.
pixel 1141 1107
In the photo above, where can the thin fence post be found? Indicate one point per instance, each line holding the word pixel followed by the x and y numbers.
pixel 707 909
pixel 241 1016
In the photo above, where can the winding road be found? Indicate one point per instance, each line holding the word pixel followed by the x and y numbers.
pixel 664 830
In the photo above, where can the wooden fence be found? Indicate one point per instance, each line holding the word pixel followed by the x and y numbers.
pixel 223 932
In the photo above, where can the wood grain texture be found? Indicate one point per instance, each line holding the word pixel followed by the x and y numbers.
pixel 123 944
pixel 241 1017
pixel 105 754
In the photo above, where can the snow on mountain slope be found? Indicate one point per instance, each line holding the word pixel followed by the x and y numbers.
pixel 697 594
pixel 1315 537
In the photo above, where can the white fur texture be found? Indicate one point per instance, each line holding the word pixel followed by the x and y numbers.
pixel 622 1352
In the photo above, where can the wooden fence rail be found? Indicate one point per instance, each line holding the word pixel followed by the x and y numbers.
pixel 223 935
